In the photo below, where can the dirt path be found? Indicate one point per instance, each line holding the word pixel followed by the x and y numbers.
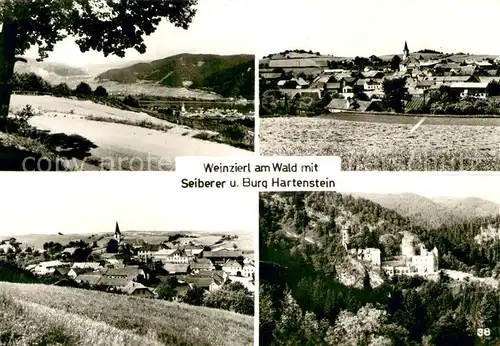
pixel 118 146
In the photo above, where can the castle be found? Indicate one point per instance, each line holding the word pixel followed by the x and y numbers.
pixel 415 259
pixel 411 261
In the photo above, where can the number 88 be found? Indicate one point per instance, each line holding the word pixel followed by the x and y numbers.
pixel 483 332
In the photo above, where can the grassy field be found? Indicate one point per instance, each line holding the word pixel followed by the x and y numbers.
pixel 364 145
pixel 32 314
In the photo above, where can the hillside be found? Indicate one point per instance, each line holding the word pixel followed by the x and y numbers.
pixel 475 207
pixel 316 219
pixel 435 211
pixel 230 76
pixel 51 315
pixel 46 68
pixel 307 299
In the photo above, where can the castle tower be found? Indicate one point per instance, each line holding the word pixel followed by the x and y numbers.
pixel 345 236
pixel 406 52
pixel 407 248
pixel 435 254
pixel 118 234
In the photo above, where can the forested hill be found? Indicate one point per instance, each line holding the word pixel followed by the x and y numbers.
pixel 318 217
pixel 304 300
pixel 227 75
pixel 435 211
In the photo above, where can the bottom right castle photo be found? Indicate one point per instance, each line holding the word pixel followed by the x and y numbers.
pixel 413 259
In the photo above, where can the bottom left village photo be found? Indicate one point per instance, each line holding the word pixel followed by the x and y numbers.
pixel 117 267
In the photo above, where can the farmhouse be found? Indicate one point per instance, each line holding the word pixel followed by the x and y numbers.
pixel 74 272
pixel 222 256
pixel 232 268
pixel 217 282
pixel 349 104
pixel 45 268
pixel 138 290
pixel 90 279
pixel 177 256
pixel 200 264
pixel 173 268
pixel 477 90
pixel 248 270
pixel 133 273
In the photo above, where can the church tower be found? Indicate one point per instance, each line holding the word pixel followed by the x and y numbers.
pixel 406 52
pixel 118 234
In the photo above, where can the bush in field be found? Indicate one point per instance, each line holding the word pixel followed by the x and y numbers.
pixel 83 90
pixel 235 133
pixel 233 296
pixel 61 90
pixel 165 289
pixel 131 101
pixel 100 92
pixel 19 122
pixel 194 296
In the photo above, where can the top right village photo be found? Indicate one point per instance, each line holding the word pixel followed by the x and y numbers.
pixel 385 85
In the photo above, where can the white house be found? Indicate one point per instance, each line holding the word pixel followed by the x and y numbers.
pixel 44 268
pixel 248 270
pixel 471 89
pixel 177 256
pixel 232 268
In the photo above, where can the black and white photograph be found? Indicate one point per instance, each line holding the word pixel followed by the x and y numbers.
pixel 412 260
pixel 386 85
pixel 124 85
pixel 116 267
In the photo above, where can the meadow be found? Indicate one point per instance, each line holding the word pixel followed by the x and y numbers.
pixel 385 146
pixel 34 314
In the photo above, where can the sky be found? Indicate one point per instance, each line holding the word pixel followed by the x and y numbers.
pixel 219 27
pixel 91 202
pixel 427 184
pixel 362 28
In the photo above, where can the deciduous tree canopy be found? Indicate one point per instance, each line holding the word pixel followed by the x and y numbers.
pixel 110 27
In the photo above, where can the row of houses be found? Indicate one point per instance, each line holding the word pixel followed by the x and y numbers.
pixel 305 76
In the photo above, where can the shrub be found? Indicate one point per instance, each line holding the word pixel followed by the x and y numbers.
pixel 83 90
pixel 19 123
pixel 101 92
pixel 234 132
pixel 61 90
pixel 131 101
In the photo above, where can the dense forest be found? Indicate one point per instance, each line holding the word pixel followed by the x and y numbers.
pixel 303 301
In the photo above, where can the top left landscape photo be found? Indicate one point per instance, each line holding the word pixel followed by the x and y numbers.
pixel 120 85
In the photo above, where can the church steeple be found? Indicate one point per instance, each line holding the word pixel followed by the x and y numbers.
pixel 118 234
pixel 406 52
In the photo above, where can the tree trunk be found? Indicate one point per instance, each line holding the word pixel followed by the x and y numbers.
pixel 7 62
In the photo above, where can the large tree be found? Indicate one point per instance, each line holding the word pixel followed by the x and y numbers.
pixel 107 26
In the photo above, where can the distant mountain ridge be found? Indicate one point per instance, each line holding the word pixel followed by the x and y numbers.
pixel 45 68
pixel 228 75
pixel 434 211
